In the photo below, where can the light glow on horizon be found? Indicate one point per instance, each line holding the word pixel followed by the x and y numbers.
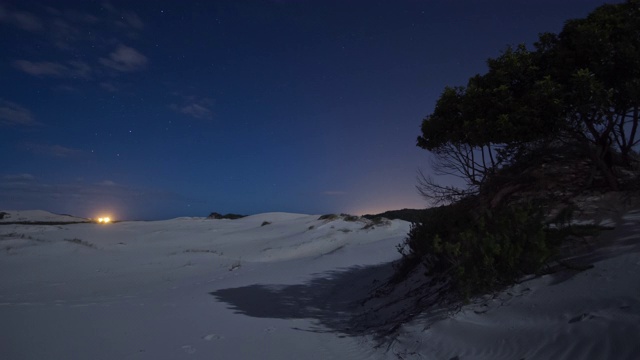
pixel 104 220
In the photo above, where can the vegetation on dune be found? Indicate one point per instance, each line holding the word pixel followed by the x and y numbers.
pixel 375 221
pixel 542 125
pixel 328 217
pixel 410 215
pixel 345 217
pixel 349 217
pixel 217 216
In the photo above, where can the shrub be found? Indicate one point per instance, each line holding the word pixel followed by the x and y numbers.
pixel 328 217
pixel 348 217
pixel 480 250
pixel 410 215
pixel 217 216
pixel 376 221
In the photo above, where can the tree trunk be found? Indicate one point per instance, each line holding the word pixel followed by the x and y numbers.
pixel 600 164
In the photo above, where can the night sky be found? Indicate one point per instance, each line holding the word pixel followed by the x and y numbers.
pixel 157 109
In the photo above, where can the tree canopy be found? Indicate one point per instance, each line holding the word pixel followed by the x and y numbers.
pixel 581 85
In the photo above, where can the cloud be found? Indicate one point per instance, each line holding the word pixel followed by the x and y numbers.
pixel 62 27
pixel 73 15
pixel 26 21
pixel 20 19
pixel 79 69
pixel 56 151
pixel 73 31
pixel 19 177
pixel 73 69
pixel 109 7
pixel 12 114
pixel 125 59
pixel 40 68
pixel 108 86
pixel 199 108
pixel 67 27
pixel 64 152
pixel 107 183
pixel 197 111
pixel 127 20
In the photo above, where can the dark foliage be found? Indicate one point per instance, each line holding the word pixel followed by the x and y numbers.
pixel 476 249
pixel 347 217
pixel 328 217
pixel 581 86
pixel 217 216
pixel 410 215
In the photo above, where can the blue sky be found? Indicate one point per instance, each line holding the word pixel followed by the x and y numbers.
pixel 157 109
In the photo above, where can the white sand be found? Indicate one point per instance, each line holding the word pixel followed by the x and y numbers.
pixel 193 288
pixel 37 216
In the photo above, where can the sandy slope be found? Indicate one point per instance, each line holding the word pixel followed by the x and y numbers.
pixel 37 216
pixel 187 288
pixel 193 288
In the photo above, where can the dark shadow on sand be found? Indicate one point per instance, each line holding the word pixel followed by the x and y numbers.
pixel 334 299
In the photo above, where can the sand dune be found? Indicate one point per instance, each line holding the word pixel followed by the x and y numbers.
pixel 193 288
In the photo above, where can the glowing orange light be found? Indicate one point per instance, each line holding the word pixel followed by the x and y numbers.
pixel 104 220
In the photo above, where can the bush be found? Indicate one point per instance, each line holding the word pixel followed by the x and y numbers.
pixel 480 250
pixel 348 217
pixel 217 216
pixel 376 221
pixel 328 217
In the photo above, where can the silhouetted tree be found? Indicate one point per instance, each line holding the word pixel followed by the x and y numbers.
pixel 581 86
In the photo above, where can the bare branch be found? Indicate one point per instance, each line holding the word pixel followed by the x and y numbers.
pixel 437 194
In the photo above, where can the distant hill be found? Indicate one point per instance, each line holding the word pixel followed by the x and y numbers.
pixel 37 217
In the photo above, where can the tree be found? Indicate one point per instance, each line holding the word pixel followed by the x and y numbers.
pixel 476 130
pixel 582 86
pixel 597 60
